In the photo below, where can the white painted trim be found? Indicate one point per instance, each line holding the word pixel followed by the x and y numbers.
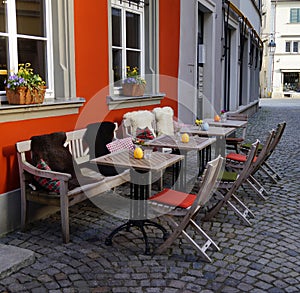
pixel 122 102
pixel 210 5
pixel 58 107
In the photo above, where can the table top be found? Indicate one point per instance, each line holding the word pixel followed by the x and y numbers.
pixel 124 158
pixel 212 130
pixel 227 123
pixel 195 143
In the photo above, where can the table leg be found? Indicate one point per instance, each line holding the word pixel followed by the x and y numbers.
pixel 141 188
pixel 140 224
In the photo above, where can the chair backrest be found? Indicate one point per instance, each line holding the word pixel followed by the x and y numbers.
pixel 245 172
pixel 277 136
pixel 211 177
pixel 264 153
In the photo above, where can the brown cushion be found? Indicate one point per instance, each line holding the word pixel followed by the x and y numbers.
pixel 234 140
pixel 50 148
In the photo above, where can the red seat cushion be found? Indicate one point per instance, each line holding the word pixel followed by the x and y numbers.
pixel 174 198
pixel 237 157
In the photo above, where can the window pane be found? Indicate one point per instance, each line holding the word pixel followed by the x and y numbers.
pixel 295 15
pixel 116 27
pixel 132 30
pixel 3 61
pixel 33 52
pixel 30 17
pixel 287 47
pixel 117 64
pixel 291 81
pixel 133 59
pixel 3 17
pixel 295 47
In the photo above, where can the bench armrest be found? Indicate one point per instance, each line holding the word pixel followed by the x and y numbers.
pixel 45 173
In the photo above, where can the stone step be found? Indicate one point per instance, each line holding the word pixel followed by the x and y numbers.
pixel 14 258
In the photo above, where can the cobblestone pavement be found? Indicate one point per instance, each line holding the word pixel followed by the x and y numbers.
pixel 262 258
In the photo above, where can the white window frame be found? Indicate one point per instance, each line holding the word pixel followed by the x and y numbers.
pixel 127 6
pixel 292 43
pixel 295 42
pixel 13 46
pixel 288 42
pixel 297 12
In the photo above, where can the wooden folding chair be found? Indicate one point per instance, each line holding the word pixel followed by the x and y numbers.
pixel 182 208
pixel 234 142
pixel 229 184
pixel 237 161
pixel 265 166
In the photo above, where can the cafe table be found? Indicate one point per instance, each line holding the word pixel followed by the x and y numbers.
pixel 200 144
pixel 227 123
pixel 219 133
pixel 142 173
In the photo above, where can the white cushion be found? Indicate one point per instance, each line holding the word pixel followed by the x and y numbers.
pixel 140 119
pixel 164 120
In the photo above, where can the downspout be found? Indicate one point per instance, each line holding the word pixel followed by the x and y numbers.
pixel 225 56
pixel 242 43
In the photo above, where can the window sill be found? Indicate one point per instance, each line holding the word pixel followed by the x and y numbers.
pixel 122 102
pixel 50 108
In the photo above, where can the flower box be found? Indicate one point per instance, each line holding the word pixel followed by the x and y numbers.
pixel 133 90
pixel 24 96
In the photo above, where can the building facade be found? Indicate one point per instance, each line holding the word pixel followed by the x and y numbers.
pixel 197 56
pixel 280 75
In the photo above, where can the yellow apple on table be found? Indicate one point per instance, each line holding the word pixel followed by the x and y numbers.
pixel 138 153
pixel 185 138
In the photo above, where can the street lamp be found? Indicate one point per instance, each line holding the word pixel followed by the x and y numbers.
pixel 272 46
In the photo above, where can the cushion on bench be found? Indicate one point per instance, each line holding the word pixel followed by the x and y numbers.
pixel 51 185
pixel 121 144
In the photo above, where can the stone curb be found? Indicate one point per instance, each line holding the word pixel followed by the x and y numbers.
pixel 13 258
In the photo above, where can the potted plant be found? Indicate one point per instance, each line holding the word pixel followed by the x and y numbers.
pixel 25 87
pixel 134 84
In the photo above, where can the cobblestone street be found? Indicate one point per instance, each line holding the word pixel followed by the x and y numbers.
pixel 262 258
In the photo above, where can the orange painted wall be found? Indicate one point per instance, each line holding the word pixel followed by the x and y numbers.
pixel 91 49
pixel 12 132
pixel 169 35
pixel 92 64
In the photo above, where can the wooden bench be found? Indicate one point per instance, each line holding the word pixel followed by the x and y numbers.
pixel 66 197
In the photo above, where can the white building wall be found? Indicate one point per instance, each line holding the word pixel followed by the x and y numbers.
pixel 273 67
pixel 213 81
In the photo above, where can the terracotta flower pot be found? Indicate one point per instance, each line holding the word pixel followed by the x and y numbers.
pixel 23 96
pixel 133 90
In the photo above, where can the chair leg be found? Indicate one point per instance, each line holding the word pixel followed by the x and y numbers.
pixel 243 212
pixel 64 212
pixel 270 172
pixel 23 212
pixel 257 187
pixel 209 240
pixel 201 250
